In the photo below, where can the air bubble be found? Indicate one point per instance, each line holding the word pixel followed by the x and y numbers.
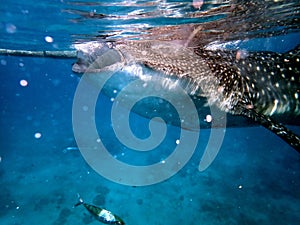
pixel 208 118
pixel 49 39
pixel 37 135
pixel 23 83
pixel 10 28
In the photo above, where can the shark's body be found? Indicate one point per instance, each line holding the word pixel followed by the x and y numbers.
pixel 256 85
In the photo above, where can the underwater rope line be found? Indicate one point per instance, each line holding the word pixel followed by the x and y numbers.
pixel 48 54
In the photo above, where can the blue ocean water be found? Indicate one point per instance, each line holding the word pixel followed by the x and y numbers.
pixel 255 178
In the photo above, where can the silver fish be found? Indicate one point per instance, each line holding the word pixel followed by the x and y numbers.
pixel 101 214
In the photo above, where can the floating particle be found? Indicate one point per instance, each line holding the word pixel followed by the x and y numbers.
pixel 49 39
pixel 85 108
pixel 23 83
pixel 177 141
pixel 68 149
pixel 3 62
pixel 10 28
pixel 208 118
pixel 37 135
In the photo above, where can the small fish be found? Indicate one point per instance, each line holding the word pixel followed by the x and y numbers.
pixel 70 148
pixel 101 214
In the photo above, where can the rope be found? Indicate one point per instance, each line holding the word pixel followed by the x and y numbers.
pixel 48 54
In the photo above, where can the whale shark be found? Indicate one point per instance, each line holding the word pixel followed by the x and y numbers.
pixel 250 86
pixel 258 85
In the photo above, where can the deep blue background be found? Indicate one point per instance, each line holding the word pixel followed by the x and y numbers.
pixel 255 178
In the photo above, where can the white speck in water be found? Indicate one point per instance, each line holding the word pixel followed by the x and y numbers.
pixel 85 108
pixel 70 148
pixel 208 118
pixel 49 39
pixel 3 62
pixel 10 28
pixel 240 187
pixel 37 135
pixel 112 99
pixel 23 83
pixel 25 11
pixel 177 141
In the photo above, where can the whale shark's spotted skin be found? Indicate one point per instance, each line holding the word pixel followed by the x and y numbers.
pixel 253 84
pixel 271 79
pixel 264 83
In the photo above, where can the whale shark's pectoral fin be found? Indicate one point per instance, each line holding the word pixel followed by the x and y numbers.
pixel 280 130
